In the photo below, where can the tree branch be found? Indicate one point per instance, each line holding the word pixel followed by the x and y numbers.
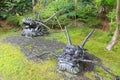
pixel 51 16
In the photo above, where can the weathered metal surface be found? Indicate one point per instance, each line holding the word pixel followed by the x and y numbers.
pixel 34 27
pixel 73 57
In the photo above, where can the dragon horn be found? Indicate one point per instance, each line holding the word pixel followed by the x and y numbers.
pixel 67 36
pixel 86 38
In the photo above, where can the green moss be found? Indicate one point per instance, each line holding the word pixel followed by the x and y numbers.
pixel 90 75
pixel 96 45
pixel 14 66
pixel 5 32
pixel 102 74
pixel 28 46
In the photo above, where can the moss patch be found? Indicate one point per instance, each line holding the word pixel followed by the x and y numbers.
pixel 14 66
pixel 96 45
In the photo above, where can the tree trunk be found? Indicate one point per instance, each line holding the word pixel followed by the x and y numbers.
pixel 116 33
pixel 114 39
pixel 33 3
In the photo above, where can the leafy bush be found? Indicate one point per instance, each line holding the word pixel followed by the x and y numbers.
pixel 93 22
pixel 13 19
pixel 110 4
pixel 62 19
pixel 49 9
pixel 112 16
pixel 82 10
pixel 17 19
pixel 11 7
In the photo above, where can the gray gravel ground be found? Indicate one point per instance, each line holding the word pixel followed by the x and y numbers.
pixel 34 47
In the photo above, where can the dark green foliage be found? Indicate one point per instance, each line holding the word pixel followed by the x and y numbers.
pixel 92 22
pixel 109 3
pixel 62 19
pixel 83 11
pixel 17 19
pixel 22 6
pixel 13 19
pixel 9 8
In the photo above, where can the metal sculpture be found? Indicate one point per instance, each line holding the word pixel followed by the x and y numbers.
pixel 73 57
pixel 34 27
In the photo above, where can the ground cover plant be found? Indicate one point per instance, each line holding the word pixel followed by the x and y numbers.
pixel 20 57
pixel 95 45
pixel 14 64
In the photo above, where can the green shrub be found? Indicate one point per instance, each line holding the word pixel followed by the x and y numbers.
pixel 112 17
pixel 49 9
pixel 93 22
pixel 13 19
pixel 82 10
pixel 110 4
pixel 17 19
